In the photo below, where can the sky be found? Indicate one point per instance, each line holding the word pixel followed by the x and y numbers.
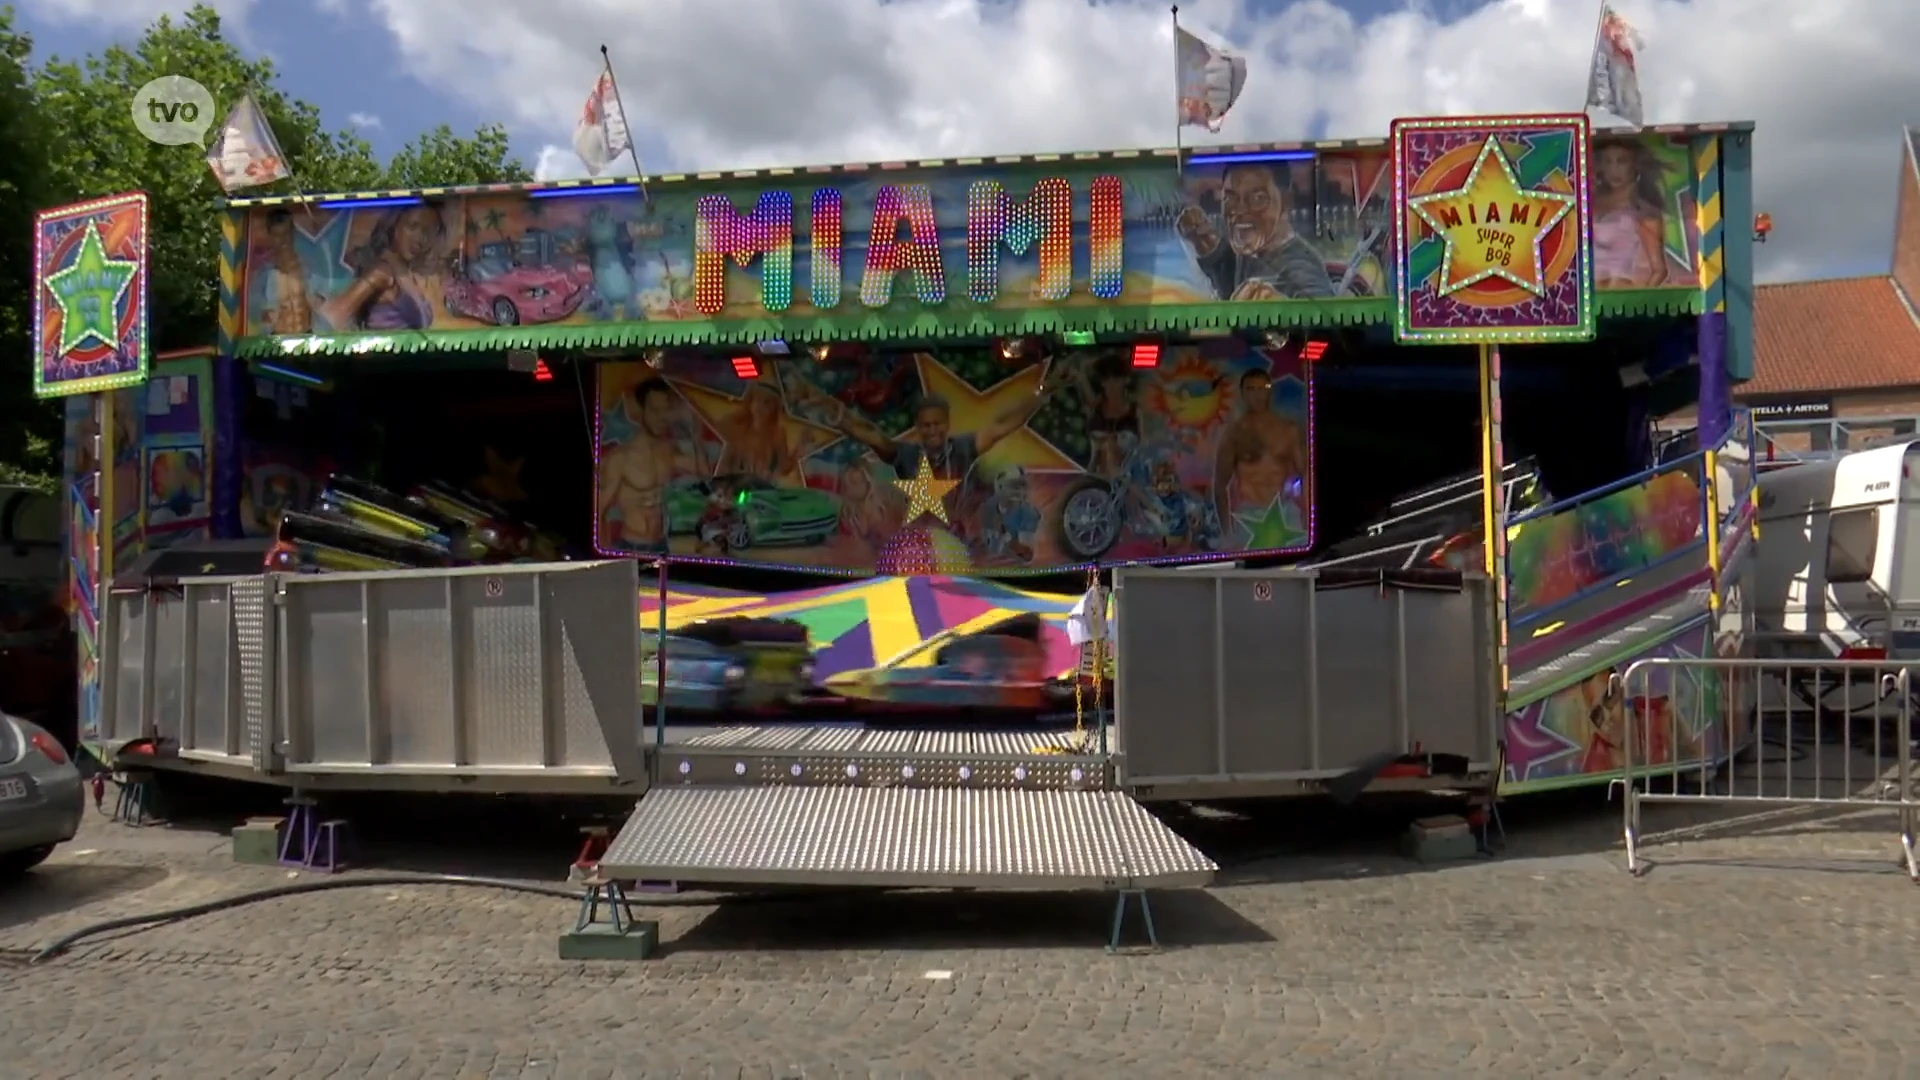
pixel 718 84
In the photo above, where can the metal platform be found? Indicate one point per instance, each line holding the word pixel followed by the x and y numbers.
pixel 750 755
pixel 951 837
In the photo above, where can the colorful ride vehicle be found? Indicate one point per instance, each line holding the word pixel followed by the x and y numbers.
pixel 507 294
pixel 1001 668
pixel 728 665
pixel 733 512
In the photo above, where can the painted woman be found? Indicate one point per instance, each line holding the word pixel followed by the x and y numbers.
pixel 392 272
pixel 1629 217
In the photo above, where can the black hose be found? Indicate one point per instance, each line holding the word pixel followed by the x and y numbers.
pixel 275 892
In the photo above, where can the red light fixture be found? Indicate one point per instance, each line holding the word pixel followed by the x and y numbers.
pixel 1312 351
pixel 541 372
pixel 1146 354
pixel 746 367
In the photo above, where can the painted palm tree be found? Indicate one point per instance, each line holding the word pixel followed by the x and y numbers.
pixel 496 221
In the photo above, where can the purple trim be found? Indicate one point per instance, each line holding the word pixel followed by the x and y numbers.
pixel 1716 407
pixel 925 607
pixel 229 397
pixel 1742 526
pixel 1523 657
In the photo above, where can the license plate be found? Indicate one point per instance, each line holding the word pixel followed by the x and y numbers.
pixel 11 788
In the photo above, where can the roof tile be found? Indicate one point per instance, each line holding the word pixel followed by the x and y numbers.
pixel 1821 336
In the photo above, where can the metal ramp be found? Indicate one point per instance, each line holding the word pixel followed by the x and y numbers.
pixel 897 837
pixel 1690 607
pixel 862 808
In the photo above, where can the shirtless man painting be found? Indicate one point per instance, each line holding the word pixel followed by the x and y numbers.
pixel 1260 454
pixel 634 474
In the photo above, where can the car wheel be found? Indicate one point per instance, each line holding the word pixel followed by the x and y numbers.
pixel 504 313
pixel 739 536
pixel 14 863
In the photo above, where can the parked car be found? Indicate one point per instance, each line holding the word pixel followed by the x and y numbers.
pixel 41 797
pixel 728 665
pixel 735 512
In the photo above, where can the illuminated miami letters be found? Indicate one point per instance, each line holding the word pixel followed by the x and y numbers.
pixel 720 233
pixel 1044 218
pixel 904 236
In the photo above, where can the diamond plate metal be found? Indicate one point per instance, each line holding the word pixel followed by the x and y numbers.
pixel 253 634
pixel 902 837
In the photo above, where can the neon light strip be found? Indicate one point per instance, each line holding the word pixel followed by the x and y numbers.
pixel 568 193
pixel 275 371
pixel 368 204
pixel 1248 159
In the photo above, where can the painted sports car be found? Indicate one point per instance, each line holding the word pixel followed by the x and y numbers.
pixel 735 512
pixel 507 295
pixel 1002 668
pixel 727 665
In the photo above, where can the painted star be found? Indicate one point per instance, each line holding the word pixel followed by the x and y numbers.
pixel 1535 742
pixel 89 293
pixel 1492 227
pixel 1268 529
pixel 926 493
pixel 972 410
pixel 722 413
pixel 501 481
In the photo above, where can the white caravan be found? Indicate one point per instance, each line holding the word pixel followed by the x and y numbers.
pixel 1838 569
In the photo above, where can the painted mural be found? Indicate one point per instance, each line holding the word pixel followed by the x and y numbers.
pixel 1645 231
pixel 90 296
pixel 959 460
pixel 1680 716
pixel 176 429
pixel 1491 227
pixel 1555 557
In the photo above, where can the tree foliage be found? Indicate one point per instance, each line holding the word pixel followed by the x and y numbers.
pixel 67 134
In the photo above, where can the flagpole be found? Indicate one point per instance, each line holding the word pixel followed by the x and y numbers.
pixel 633 150
pixel 1179 117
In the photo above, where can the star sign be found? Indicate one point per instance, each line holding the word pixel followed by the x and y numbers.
pixel 89 293
pixel 1492 227
pixel 926 493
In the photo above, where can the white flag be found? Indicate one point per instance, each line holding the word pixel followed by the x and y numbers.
pixel 245 154
pixel 1210 80
pixel 601 134
pixel 1614 84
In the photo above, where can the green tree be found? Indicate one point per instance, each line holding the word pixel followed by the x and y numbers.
pixel 24 423
pixel 66 134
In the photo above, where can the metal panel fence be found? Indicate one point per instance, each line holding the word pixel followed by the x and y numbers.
pixel 1251 676
pixel 172 669
pixel 1820 734
pixel 521 670
pixel 489 669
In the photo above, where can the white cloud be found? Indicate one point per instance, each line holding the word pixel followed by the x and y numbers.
pixel 558 163
pixel 363 121
pixel 126 14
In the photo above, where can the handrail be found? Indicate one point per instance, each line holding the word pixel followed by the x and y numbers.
pixel 1618 485
pixel 1529 616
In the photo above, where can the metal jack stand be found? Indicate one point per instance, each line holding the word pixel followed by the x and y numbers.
pixel 1120 919
pixel 620 936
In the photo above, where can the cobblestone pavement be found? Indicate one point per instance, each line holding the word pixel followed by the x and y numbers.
pixel 1775 950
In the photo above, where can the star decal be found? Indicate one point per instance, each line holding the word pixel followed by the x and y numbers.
pixel 1492 226
pixel 1534 740
pixel 722 411
pixel 973 410
pixel 89 293
pixel 501 481
pixel 1267 528
pixel 926 493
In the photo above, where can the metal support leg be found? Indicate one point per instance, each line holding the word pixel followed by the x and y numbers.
pixel 1120 918
pixel 603 891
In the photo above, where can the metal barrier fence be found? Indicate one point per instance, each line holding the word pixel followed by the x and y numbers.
pixel 1823 734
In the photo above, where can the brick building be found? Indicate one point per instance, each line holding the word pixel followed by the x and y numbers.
pixel 1837 363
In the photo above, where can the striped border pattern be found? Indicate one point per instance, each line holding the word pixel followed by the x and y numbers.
pixel 1707 212
pixel 232 226
pixel 1166 154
